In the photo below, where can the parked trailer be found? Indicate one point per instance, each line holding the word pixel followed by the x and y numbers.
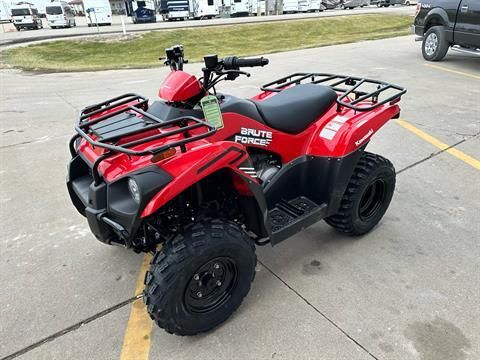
pixel 290 6
pixel 315 5
pixel 204 9
pixel 330 4
pixel 237 7
pixel 261 7
pixel 351 4
pixel 141 11
pixel 98 12
pixel 175 10
pixel 254 7
pixel 303 6
pixel 5 13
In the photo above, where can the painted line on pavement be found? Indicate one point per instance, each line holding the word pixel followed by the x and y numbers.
pixel 473 76
pixel 442 146
pixel 136 343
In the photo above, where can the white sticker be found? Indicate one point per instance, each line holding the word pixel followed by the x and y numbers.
pixel 341 119
pixel 333 126
pixel 361 123
pixel 327 134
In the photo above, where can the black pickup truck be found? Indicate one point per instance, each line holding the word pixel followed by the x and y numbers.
pixel 442 24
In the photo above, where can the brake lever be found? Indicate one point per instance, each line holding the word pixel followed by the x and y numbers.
pixel 234 72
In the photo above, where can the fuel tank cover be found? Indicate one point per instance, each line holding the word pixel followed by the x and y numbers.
pixel 179 86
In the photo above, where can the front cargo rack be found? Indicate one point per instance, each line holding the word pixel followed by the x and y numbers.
pixel 125 116
pixel 364 91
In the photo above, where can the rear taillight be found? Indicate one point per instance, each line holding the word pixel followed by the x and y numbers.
pixel 417 10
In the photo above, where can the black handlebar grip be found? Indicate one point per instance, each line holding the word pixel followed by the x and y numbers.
pixel 233 62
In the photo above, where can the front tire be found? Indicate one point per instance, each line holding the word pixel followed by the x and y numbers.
pixel 367 196
pixel 435 45
pixel 196 281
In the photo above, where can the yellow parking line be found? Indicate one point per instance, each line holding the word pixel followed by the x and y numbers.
pixel 136 343
pixel 453 71
pixel 442 146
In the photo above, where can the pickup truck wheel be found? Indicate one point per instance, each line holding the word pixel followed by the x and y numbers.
pixel 197 280
pixel 435 45
pixel 367 196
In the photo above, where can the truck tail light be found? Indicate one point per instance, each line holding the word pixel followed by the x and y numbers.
pixel 417 10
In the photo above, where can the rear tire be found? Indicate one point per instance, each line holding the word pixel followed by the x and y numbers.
pixel 367 196
pixel 435 45
pixel 196 281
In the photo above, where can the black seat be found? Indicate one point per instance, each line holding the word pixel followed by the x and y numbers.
pixel 295 108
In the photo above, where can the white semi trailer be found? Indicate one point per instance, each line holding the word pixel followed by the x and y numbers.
pixel 204 9
pixel 98 12
pixel 237 7
pixel 5 13
pixel 189 9
pixel 290 6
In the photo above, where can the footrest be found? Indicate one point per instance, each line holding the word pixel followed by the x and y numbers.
pixel 286 212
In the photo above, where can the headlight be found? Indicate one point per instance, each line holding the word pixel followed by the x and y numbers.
pixel 134 190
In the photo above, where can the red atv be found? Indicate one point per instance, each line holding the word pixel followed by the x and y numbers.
pixel 199 178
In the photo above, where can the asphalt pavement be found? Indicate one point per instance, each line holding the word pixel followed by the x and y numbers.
pixel 407 290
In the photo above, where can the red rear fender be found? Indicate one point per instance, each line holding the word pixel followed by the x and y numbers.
pixel 347 131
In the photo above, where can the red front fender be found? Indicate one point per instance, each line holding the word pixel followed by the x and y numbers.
pixel 190 167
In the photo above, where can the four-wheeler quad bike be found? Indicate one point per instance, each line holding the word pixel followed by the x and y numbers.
pixel 199 178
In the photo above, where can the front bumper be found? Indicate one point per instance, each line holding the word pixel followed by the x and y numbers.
pixel 24 24
pixel 113 216
pixel 418 30
pixel 58 23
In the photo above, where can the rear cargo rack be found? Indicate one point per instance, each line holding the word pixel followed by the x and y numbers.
pixel 126 116
pixel 364 91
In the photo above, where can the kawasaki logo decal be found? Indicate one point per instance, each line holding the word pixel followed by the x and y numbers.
pixel 367 135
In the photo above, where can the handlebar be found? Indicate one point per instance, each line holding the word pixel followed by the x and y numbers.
pixel 234 63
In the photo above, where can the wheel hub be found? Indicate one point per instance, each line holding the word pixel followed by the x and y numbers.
pixel 431 44
pixel 372 199
pixel 211 285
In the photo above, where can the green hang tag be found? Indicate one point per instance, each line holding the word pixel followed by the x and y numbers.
pixel 211 111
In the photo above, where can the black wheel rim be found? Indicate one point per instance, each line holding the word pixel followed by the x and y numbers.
pixel 372 199
pixel 211 285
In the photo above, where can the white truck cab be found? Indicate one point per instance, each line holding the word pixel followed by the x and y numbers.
pixel 25 16
pixel 98 12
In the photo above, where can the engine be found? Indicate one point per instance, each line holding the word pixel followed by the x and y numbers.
pixel 266 166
